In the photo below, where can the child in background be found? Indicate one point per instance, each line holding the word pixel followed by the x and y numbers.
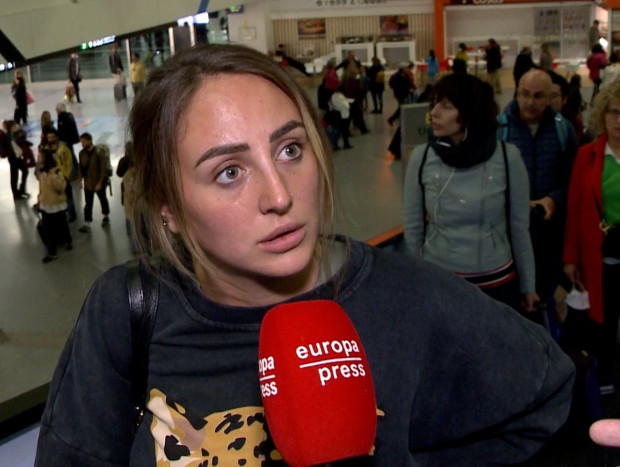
pixel 433 67
pixel 331 124
pixel 340 103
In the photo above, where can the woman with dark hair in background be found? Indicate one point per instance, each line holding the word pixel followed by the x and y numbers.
pixel 18 90
pixel 376 85
pixel 52 205
pixel 596 62
pixel 466 200
pixel 523 63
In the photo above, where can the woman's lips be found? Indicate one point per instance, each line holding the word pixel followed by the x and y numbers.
pixel 284 238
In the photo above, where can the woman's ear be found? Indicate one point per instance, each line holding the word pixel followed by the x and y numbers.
pixel 168 219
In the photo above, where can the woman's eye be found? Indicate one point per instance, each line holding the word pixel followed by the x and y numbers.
pixel 292 151
pixel 229 174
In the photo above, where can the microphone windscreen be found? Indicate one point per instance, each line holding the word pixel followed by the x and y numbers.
pixel 315 383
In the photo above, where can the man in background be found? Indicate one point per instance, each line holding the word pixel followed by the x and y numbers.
pixel 93 169
pixel 548 145
pixel 523 64
pixel 594 35
pixel 137 74
pixel 74 75
pixel 115 62
pixel 493 56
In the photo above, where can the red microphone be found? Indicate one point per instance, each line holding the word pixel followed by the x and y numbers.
pixel 316 384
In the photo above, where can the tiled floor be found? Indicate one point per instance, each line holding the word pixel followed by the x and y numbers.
pixel 40 302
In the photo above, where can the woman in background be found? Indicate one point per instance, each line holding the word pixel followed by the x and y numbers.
pixel 592 234
pixel 376 85
pixel 460 59
pixel 466 200
pixel 52 205
pixel 18 90
pixel 46 124
pixel 461 54
pixel 546 61
pixel 596 62
pixel 433 67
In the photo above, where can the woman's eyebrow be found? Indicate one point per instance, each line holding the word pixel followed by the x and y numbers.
pixel 240 147
pixel 223 149
pixel 284 129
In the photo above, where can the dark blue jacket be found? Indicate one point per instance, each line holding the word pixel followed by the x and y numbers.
pixel 548 159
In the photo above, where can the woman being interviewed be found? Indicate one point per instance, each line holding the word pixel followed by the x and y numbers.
pixel 592 234
pixel 235 193
pixel 466 201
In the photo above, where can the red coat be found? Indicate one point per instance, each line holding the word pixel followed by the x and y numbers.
pixel 583 237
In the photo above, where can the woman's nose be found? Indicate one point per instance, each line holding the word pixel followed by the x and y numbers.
pixel 434 110
pixel 275 195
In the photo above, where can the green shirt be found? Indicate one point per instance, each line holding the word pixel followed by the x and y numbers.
pixel 610 189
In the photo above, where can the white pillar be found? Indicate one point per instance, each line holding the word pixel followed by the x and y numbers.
pixel 171 36
pixel 127 47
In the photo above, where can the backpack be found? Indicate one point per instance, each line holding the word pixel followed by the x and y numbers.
pixel 560 128
pixel 103 151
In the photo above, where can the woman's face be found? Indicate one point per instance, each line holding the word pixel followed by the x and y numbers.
pixel 445 121
pixel 612 119
pixel 250 181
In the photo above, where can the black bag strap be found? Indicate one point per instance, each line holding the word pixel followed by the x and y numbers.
pixel 143 292
pixel 424 213
pixel 507 201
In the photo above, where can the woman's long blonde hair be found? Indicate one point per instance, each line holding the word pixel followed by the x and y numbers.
pixel 601 105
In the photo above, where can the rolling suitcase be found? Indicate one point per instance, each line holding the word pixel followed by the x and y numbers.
pixel 120 91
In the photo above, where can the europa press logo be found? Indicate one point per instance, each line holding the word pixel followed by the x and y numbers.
pixel 315 382
pixel 330 360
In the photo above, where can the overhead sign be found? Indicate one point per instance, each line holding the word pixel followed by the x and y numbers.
pixel 97 42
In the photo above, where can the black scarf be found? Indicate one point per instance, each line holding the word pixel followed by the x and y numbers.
pixel 469 152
